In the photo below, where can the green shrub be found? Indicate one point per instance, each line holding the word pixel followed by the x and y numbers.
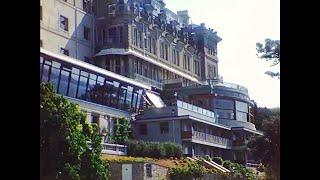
pixel 154 149
pixel 192 170
pixel 227 164
pixel 172 150
pixel 218 160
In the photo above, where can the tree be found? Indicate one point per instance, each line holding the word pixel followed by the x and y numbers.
pixel 267 148
pixel 70 148
pixel 121 130
pixel 270 51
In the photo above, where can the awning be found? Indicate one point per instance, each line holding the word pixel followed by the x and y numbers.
pixel 155 99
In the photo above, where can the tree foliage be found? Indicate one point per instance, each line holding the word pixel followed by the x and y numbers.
pixel 65 151
pixel 267 148
pixel 270 51
pixel 121 130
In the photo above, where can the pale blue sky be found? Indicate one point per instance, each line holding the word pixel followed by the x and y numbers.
pixel 240 24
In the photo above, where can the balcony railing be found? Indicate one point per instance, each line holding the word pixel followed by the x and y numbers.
pixel 114 149
pixel 206 138
pixel 147 80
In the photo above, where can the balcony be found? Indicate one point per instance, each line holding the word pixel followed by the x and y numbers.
pixel 114 149
pixel 146 80
pixel 207 139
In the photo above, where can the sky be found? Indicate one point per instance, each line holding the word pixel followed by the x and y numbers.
pixel 240 24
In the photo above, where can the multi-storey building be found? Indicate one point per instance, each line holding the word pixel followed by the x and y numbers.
pixel 119 58
pixel 143 40
pixel 215 119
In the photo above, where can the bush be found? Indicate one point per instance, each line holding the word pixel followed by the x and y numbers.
pixel 192 170
pixel 218 160
pixel 154 149
pixel 227 164
pixel 172 150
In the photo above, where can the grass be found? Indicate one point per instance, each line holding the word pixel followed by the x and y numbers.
pixel 126 159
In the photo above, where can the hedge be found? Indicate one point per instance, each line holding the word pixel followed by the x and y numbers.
pixel 153 149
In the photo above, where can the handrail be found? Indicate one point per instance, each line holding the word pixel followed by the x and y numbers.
pixel 211 138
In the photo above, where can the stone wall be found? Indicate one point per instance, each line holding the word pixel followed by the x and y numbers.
pixel 139 171
pixel 115 171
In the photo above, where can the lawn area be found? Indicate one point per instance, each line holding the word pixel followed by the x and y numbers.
pixel 126 159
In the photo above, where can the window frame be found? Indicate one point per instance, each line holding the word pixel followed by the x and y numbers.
pixel 164 127
pixel 145 129
pixel 65 26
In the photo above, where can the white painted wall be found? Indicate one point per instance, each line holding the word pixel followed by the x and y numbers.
pixel 53 37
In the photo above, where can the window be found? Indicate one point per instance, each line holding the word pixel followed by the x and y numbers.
pixel 241 116
pixel 120 34
pixel 145 43
pixel 103 35
pixel 175 57
pixel 143 129
pixel 149 170
pixel 164 127
pixel 135 37
pixel 154 45
pixel 94 118
pixel 74 82
pixel 166 52
pixel 197 68
pixel 40 12
pixel 162 50
pixel 41 43
pixel 86 5
pixel 223 104
pixel 225 114
pixel 112 10
pixel 241 106
pixel 150 44
pixel 112 35
pixel 82 88
pixel 86 33
pixel 186 62
pixel 64 51
pixel 64 23
pixel 140 39
pixel 211 71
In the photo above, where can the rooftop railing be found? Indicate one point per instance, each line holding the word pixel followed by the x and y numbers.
pixel 195 109
pixel 228 85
